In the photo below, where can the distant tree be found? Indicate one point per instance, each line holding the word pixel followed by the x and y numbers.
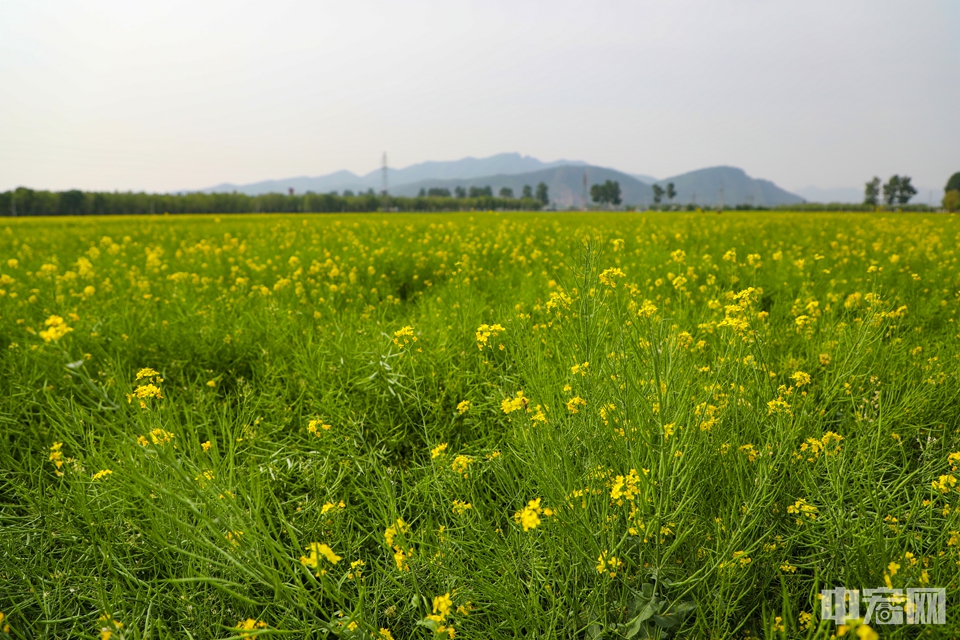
pixel 439 192
pixel 543 196
pixel 506 192
pixel 657 193
pixel 891 189
pixel 906 191
pixel 527 191
pixel 606 193
pixel 423 193
pixel 871 192
pixel 953 184
pixel 71 203
pixel 951 200
pixel 371 192
pixel 480 192
pixel 671 192
pixel 460 192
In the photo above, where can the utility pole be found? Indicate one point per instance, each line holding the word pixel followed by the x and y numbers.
pixel 586 203
pixel 721 196
pixel 384 169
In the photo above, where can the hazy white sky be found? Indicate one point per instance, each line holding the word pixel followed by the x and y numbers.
pixel 187 94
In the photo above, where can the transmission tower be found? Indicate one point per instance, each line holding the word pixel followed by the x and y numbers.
pixel 585 201
pixel 384 169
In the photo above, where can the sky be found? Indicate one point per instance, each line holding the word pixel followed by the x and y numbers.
pixel 159 96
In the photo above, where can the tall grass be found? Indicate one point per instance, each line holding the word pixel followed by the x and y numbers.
pixel 670 425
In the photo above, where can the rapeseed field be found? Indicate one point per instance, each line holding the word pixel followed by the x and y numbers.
pixel 475 425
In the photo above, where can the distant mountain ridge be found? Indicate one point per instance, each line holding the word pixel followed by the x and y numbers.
pixel 702 187
pixel 564 179
pixel 465 168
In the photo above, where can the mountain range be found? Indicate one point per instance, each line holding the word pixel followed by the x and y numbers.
pixel 564 178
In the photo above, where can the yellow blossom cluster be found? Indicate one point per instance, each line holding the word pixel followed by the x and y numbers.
pixel 487 331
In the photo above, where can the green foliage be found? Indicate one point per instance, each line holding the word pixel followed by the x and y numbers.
pixel 906 190
pixel 951 200
pixel 481 192
pixel 542 195
pixel 898 189
pixel 671 192
pixel 891 189
pixel 27 202
pixel 606 193
pixel 589 425
pixel 527 191
pixel 871 192
pixel 658 192
pixel 953 184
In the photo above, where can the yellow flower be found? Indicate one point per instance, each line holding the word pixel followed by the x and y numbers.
pixel 315 426
pixel 460 464
pixel 103 473
pixel 608 564
pixel 944 484
pixel 148 391
pixel 356 570
pixel 487 331
pixel 608 276
pixel 580 368
pixel 626 487
pixel 864 632
pixel 575 402
pixel 529 516
pixel 442 605
pixel 147 372
pixel 56 329
pixel 400 558
pixel 391 532
pixel 108 626
pixel 514 404
pixel 800 378
pixel 329 506
pixel 750 452
pixel 385 634
pixel 438 450
pixel 647 309
pixel 803 509
pixel 404 336
pixel 206 445
pixel 316 550
pixel 463 407
pixel 460 507
pixel 893 567
pixel 159 437
pixel 56 456
pixel 249 625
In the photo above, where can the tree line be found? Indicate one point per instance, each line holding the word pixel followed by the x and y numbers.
pixel 541 196
pixel 897 189
pixel 30 202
